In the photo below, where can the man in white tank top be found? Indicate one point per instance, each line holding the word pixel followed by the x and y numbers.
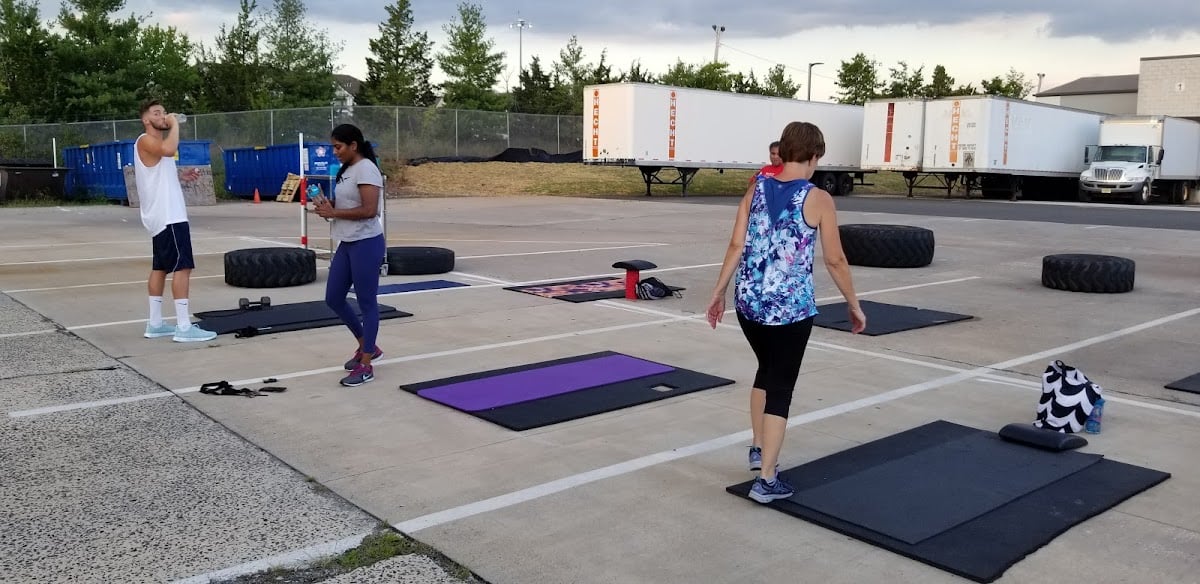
pixel 164 214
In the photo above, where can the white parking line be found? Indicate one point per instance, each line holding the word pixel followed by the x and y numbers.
pixel 137 257
pixel 77 286
pixel 27 333
pixel 557 251
pixel 552 487
pixel 292 558
pixel 138 241
pixel 1032 385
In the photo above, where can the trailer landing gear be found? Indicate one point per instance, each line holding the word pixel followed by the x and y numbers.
pixel 930 181
pixel 650 175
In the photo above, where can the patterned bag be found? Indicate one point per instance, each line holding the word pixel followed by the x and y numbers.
pixel 1068 398
pixel 653 289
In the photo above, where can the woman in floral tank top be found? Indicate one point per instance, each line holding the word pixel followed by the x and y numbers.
pixel 771 254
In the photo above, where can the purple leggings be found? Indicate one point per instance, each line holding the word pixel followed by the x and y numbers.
pixel 357 263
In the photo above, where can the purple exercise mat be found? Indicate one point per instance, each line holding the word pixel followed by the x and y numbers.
pixel 521 386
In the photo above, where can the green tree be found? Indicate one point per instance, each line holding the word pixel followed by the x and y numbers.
pixel 714 76
pixel 399 71
pixel 298 58
pixel 27 67
pixel 858 80
pixel 536 92
pixel 635 74
pixel 778 84
pixel 905 83
pixel 167 54
pixel 102 74
pixel 941 84
pixel 1013 84
pixel 231 74
pixel 470 65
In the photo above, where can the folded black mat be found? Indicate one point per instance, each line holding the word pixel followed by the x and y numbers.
pixel 983 547
pixel 1188 384
pixel 282 317
pixel 883 319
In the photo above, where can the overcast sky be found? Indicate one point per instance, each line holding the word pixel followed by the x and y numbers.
pixel 1064 39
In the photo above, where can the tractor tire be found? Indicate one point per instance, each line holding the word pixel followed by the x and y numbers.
pixel 887 246
pixel 1088 273
pixel 411 261
pixel 270 267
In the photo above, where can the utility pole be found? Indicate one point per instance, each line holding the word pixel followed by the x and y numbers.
pixel 521 24
pixel 810 66
pixel 717 47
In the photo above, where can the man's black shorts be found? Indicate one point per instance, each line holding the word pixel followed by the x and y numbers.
pixel 173 249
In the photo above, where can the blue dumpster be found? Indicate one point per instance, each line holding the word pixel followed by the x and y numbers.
pixel 266 167
pixel 99 168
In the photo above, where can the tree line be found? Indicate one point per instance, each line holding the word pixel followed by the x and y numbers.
pixel 90 64
pixel 859 80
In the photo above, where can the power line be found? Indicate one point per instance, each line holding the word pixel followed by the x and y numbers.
pixel 774 62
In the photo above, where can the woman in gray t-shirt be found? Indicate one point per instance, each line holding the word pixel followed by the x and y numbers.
pixel 357 227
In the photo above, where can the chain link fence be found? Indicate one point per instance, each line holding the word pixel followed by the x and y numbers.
pixel 400 133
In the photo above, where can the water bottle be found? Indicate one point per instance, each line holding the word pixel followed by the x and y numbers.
pixel 1092 425
pixel 180 118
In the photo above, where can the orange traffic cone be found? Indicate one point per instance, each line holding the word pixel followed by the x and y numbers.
pixel 257 200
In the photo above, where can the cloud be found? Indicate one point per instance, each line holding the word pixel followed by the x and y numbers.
pixel 670 20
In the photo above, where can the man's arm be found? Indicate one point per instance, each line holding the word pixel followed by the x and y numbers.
pixel 153 148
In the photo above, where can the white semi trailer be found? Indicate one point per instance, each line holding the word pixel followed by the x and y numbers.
pixel 999 146
pixel 657 127
pixel 1142 157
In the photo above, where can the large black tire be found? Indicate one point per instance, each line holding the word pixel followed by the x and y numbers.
pixel 887 246
pixel 1077 272
pixel 270 267
pixel 411 261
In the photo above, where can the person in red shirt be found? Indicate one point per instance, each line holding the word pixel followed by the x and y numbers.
pixel 775 167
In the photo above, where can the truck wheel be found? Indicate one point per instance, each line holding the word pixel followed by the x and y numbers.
pixel 270 267
pixel 845 185
pixel 828 182
pixel 1143 196
pixel 410 261
pixel 1083 196
pixel 1179 192
pixel 1088 273
pixel 887 246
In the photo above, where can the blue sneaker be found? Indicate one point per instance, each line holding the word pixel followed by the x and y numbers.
pixel 193 334
pixel 360 375
pixel 162 330
pixel 755 458
pixel 764 493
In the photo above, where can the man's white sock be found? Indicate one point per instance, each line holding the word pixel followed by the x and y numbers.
pixel 183 320
pixel 156 310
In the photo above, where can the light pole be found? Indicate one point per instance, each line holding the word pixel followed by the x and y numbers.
pixel 717 47
pixel 810 66
pixel 1040 76
pixel 521 24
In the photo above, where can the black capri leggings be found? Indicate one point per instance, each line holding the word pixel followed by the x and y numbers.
pixel 780 350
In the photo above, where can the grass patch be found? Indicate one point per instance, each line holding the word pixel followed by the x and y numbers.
pixel 42 200
pixel 385 543
pixel 533 178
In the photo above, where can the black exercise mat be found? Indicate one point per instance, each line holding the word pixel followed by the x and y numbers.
pixel 580 403
pixel 925 493
pixel 1188 384
pixel 883 319
pixel 982 548
pixel 283 317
